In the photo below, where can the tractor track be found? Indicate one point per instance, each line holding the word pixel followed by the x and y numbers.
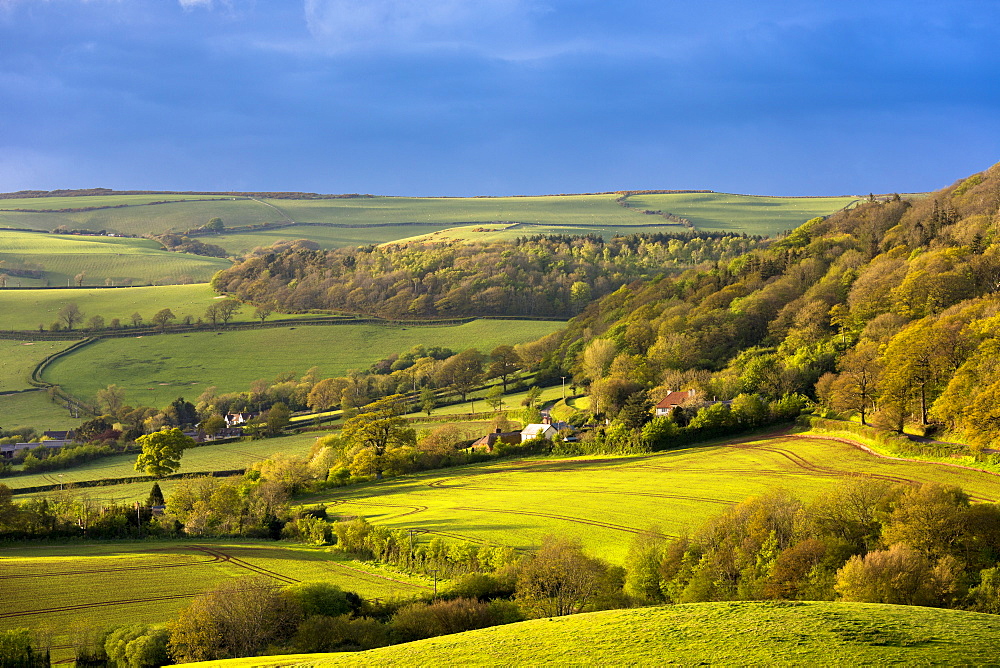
pixel 241 563
pixel 566 518
pixel 111 570
pixel 97 604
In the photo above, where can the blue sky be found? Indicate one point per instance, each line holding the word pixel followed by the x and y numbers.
pixel 495 97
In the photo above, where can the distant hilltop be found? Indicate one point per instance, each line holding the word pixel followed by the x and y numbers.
pixel 94 192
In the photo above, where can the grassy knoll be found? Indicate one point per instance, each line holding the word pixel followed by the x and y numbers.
pixel 741 213
pixel 34 409
pixel 215 457
pixel 744 633
pixel 26 309
pixel 154 370
pixel 604 501
pixel 66 588
pixel 121 261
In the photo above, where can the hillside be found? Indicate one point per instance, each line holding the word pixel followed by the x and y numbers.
pixel 886 310
pixel 262 219
pixel 751 633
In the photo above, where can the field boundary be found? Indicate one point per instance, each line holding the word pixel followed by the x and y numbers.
pixel 331 319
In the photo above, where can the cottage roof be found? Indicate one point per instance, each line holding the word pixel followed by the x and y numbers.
pixel 675 398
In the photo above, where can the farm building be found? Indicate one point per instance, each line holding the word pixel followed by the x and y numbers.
pixel 673 400
pixel 489 441
pixel 544 430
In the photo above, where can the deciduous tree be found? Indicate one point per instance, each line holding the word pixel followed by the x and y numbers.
pixel 161 451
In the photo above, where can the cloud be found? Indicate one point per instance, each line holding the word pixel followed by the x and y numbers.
pixel 402 24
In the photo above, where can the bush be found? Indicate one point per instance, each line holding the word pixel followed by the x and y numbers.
pixel 320 633
pixel 426 620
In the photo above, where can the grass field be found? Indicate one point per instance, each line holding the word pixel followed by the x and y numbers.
pixel 403 217
pixel 728 634
pixel 19 358
pixel 154 370
pixel 742 213
pixel 34 409
pixel 487 233
pixel 53 203
pixel 26 309
pixel 156 219
pixel 64 589
pixel 205 458
pixel 238 243
pixel 121 261
pixel 605 501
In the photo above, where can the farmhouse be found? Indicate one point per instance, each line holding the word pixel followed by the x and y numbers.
pixel 490 441
pixel 674 400
pixel 544 430
pixel 235 419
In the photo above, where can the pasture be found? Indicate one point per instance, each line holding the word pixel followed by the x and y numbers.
pixel 34 409
pixel 101 260
pixel 767 216
pixel 19 358
pixel 491 233
pixel 67 590
pixel 201 459
pixel 605 501
pixel 742 633
pixel 364 220
pixel 27 309
pixel 155 370
pixel 179 216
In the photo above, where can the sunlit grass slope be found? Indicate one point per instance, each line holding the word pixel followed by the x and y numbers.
pixel 26 309
pixel 741 213
pixel 381 219
pixel 19 358
pixel 36 410
pixel 63 588
pixel 204 458
pixel 745 633
pixel 101 259
pixel 606 501
pixel 155 219
pixel 154 370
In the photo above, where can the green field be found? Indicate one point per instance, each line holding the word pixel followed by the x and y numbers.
pixel 19 358
pixel 202 459
pixel 489 233
pixel 34 409
pixel 727 634
pixel 356 219
pixel 155 370
pixel 605 501
pixel 53 203
pixel 101 260
pixel 139 220
pixel 26 309
pixel 64 589
pixel 742 213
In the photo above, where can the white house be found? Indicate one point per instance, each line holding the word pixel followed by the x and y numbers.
pixel 536 430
